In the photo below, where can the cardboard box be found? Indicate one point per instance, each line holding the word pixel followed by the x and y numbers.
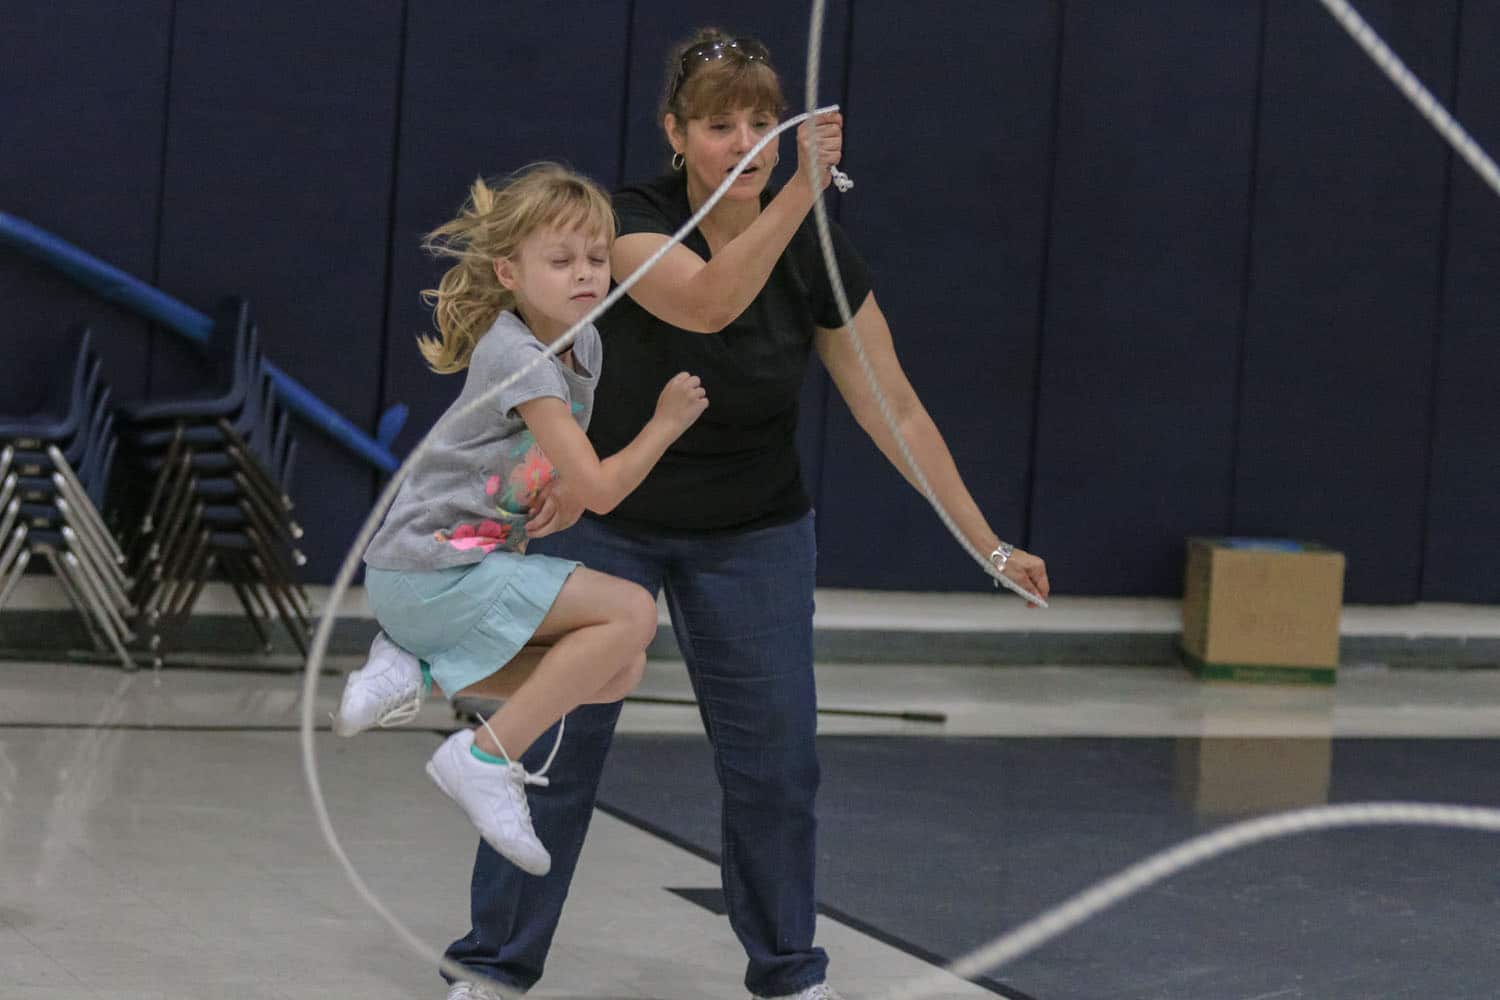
pixel 1262 610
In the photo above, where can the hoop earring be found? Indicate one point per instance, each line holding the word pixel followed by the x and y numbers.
pixel 677 161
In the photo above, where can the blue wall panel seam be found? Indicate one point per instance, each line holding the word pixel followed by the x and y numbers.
pixel 393 204
pixel 1445 230
pixel 1238 405
pixel 625 92
pixel 1049 207
pixel 161 187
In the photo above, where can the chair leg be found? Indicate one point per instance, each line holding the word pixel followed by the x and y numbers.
pixel 246 457
pixel 95 590
pixel 187 540
pixel 270 510
pixel 13 579
pixel 181 504
pixel 274 564
pixel 193 567
pixel 67 481
pixel 184 607
pixel 9 517
pixel 243 594
pixel 299 638
pixel 12 548
pixel 70 585
pixel 168 467
pixel 255 486
pixel 172 575
pixel 100 569
pixel 114 640
pixel 89 519
pixel 85 520
pixel 269 541
pixel 251 583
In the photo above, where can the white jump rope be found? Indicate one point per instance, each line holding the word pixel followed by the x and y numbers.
pixel 1082 906
pixel 340 587
pixel 1163 865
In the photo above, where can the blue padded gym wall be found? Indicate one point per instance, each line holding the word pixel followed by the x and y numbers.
pixel 82 94
pixel 1156 270
pixel 484 95
pixel 278 187
pixel 1145 289
pixel 1463 502
pixel 1349 215
pixel 949 138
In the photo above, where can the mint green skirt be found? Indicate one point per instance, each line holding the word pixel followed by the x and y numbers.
pixel 469 621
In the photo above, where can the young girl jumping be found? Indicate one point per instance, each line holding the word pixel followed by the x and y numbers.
pixel 447 575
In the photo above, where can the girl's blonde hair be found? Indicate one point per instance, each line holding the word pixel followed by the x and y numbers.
pixel 494 220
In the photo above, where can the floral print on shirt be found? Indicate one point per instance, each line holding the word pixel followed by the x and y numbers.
pixel 524 471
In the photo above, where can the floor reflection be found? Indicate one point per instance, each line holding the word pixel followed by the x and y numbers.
pixel 1223 777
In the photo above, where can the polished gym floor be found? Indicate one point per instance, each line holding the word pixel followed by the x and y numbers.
pixel 157 838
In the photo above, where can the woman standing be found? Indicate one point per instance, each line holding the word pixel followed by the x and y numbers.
pixel 723 525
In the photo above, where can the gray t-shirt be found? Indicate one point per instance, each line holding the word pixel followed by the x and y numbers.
pixel 468 494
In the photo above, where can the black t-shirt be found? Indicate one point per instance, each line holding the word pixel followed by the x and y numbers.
pixel 735 469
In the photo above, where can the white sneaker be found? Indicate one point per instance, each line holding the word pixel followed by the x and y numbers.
pixel 822 991
pixel 386 691
pixel 471 991
pixel 494 796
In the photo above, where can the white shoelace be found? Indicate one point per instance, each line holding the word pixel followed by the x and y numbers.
pixel 403 711
pixel 540 777
pixel 406 710
pixel 400 715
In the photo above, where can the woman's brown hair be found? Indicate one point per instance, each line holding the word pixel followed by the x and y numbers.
pixel 711 86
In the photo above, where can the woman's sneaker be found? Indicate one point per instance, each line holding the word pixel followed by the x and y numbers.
pixel 386 691
pixel 471 991
pixel 822 991
pixel 494 796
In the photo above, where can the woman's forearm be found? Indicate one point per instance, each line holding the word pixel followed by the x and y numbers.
pixel 931 451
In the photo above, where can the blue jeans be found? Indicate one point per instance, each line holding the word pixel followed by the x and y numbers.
pixel 741 608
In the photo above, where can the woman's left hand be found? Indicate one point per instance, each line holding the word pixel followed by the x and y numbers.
pixel 554 509
pixel 1030 572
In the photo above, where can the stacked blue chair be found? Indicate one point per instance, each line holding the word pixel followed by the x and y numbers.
pixel 54 471
pixel 218 468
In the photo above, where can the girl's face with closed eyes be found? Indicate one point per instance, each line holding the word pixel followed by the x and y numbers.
pixel 558 275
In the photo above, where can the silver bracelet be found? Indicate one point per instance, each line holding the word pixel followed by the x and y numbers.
pixel 1002 551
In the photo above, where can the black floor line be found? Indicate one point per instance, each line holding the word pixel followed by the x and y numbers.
pixel 907 715
pixel 206 727
pixel 832 913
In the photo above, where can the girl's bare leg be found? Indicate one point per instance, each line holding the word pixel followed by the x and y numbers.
pixel 504 682
pixel 599 628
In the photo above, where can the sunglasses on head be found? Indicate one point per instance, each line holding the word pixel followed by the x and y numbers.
pixel 706 52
